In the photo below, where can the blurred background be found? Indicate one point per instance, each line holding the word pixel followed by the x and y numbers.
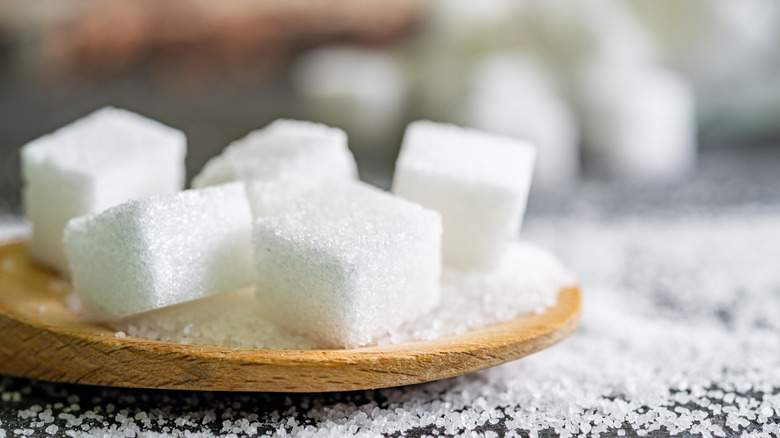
pixel 632 104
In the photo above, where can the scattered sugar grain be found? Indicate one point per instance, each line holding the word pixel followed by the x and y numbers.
pixel 120 334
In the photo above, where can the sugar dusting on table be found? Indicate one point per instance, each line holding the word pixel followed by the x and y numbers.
pixel 528 281
pixel 679 335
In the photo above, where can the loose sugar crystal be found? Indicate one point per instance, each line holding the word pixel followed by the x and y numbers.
pixel 104 159
pixel 479 183
pixel 286 158
pixel 527 281
pixel 163 250
pixel 348 262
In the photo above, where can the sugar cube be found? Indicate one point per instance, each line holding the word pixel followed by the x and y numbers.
pixel 287 158
pixel 514 96
pixel 347 263
pixel 479 182
pixel 339 85
pixel 162 250
pixel 99 161
pixel 640 121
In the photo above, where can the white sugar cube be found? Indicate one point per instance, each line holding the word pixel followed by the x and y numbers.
pixel 99 161
pixel 362 89
pixel 347 263
pixel 514 96
pixel 162 250
pixel 283 160
pixel 479 182
pixel 640 121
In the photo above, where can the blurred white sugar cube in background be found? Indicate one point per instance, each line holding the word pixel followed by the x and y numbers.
pixel 347 263
pixel 567 33
pixel 360 89
pixel 512 95
pixel 746 34
pixel 638 121
pixel 280 161
pixel 738 83
pixel 99 161
pixel 616 33
pixel 479 182
pixel 159 251
pixel 452 17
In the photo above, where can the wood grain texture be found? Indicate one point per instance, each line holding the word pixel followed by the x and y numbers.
pixel 40 339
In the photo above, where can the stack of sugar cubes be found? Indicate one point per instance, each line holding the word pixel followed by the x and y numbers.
pixel 282 210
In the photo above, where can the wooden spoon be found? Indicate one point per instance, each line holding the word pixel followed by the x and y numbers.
pixel 40 339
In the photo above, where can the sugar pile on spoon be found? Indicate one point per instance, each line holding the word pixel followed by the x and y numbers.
pixel 333 262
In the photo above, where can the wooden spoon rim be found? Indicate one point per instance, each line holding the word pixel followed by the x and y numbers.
pixel 55 345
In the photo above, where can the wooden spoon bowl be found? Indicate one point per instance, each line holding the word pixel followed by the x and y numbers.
pixel 41 339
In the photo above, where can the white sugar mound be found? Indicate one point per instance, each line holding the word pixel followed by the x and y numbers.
pixel 287 158
pixel 479 182
pixel 163 250
pixel 527 281
pixel 226 320
pixel 97 162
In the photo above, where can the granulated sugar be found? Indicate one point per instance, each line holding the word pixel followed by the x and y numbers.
pixel 527 282
pixel 229 319
pixel 679 335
